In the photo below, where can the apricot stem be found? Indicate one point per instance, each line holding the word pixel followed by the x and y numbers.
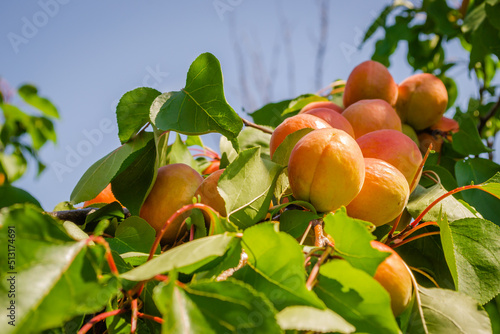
pixel 258 127
pixel 423 273
pixel 315 270
pixel 133 321
pixel 97 318
pixel 414 238
pixel 417 297
pixel 150 317
pixel 306 232
pixel 409 232
pixel 109 257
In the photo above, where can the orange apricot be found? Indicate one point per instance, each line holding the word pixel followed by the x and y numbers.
pixel 214 166
pixel 105 196
pixel 209 194
pixel 326 168
pixel 437 133
pixel 336 120
pixel 422 100
pixel 383 196
pixel 321 104
pixel 395 148
pixel 394 276
pixel 370 80
pixel 371 115
pixel 292 124
pixel 174 187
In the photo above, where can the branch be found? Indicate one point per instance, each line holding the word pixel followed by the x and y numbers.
pixel 483 120
pixel 78 216
pixel 98 318
pixel 258 127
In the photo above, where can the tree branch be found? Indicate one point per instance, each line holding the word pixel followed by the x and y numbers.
pixel 483 120
pixel 258 127
pixel 78 216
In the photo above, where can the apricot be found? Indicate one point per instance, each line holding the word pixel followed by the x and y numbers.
pixel 410 132
pixel 105 196
pixel 292 124
pixel 436 134
pixel 395 148
pixel 371 115
pixel 174 187
pixel 326 168
pixel 422 100
pixel 2 178
pixel 321 104
pixel 214 166
pixel 383 196
pixel 209 194
pixel 336 120
pixel 395 277
pixel 370 80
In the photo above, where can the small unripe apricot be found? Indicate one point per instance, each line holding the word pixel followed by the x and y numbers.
pixel 371 115
pixel 174 187
pixel 105 196
pixel 422 100
pixel 326 168
pixel 394 276
pixel 292 124
pixel 336 120
pixel 209 194
pixel 410 132
pixel 395 148
pixel 370 80
pixel 321 104
pixel 383 196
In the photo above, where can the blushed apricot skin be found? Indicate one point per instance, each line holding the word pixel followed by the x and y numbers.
pixel 395 148
pixel 444 127
pixel 105 196
pixel 326 168
pixel 394 276
pixel 214 166
pixel 292 124
pixel 372 115
pixel 321 104
pixel 209 194
pixel 370 80
pixel 174 187
pixel 336 120
pixel 422 100
pixel 383 196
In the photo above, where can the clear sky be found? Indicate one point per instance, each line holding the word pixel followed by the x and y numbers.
pixel 84 55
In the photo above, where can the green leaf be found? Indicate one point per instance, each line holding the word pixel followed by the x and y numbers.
pixel 57 278
pixel 476 171
pixel 282 153
pixel 13 165
pixel 179 153
pixel 474 19
pixel 356 297
pixel 249 204
pixel 201 106
pixel 131 186
pixel 108 211
pixel 100 174
pixel 270 114
pixel 132 112
pixel 472 251
pixel 186 258
pixel 306 318
pixel 352 241
pixel 29 94
pixel 10 195
pixel 467 140
pixel 447 311
pixel 248 138
pixel 276 267
pixel 295 222
pixel 300 102
pixel 420 198
pixel 379 22
pixel 134 234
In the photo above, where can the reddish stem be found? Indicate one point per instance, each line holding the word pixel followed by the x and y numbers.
pixel 161 277
pixel 97 318
pixel 315 270
pixel 133 321
pixel 109 257
pixel 405 235
pixel 150 317
pixel 191 233
pixel 414 238
pixel 176 214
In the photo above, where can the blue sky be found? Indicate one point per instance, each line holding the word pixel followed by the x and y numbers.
pixel 84 55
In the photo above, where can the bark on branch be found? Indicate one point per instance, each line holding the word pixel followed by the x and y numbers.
pixel 78 216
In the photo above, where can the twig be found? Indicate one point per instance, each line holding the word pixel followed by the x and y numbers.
pixel 133 320
pixel 150 317
pixel 483 120
pixel 258 127
pixel 414 238
pixel 423 273
pixel 109 257
pixel 315 270
pixel 78 216
pixel 97 318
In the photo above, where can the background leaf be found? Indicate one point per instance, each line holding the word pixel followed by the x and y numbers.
pixel 307 318
pixel 29 94
pixel 10 195
pixel 133 234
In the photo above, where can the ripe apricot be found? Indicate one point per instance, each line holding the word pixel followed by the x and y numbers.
pixel 326 168
pixel 321 104
pixel 174 187
pixel 370 80
pixel 395 148
pixel 292 124
pixel 383 196
pixel 209 194
pixel 105 196
pixel 336 120
pixel 214 166
pixel 422 100
pixel 371 115
pixel 436 134
pixel 394 276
